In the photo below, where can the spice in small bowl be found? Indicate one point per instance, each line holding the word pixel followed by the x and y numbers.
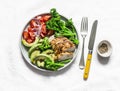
pixel 104 48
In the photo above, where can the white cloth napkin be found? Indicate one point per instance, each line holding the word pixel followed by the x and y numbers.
pixel 17 75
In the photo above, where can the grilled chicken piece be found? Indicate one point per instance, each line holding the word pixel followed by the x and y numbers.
pixel 68 46
pixel 65 55
pixel 62 44
pixel 63 48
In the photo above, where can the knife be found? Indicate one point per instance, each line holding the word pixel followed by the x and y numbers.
pixel 90 47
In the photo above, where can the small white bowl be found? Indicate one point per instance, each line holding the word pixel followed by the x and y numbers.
pixel 107 53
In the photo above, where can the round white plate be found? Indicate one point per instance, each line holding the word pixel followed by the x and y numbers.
pixel 24 51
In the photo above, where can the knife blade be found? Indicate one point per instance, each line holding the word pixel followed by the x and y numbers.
pixel 90 47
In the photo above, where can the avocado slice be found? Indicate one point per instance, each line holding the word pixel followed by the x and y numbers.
pixel 34 47
pixel 40 64
pixel 49 51
pixel 33 55
pixel 41 57
pixel 30 44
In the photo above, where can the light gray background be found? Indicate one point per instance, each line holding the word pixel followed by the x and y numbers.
pixel 17 75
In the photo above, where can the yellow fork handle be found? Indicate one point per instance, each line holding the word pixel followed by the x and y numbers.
pixel 87 67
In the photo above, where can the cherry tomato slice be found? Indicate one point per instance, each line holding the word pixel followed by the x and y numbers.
pixel 46 17
pixel 32 35
pixel 43 29
pixel 26 35
pixel 29 40
pixel 30 29
pixel 34 23
pixel 41 20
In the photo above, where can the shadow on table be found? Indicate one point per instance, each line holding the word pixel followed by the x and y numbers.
pixel 102 60
pixel 46 73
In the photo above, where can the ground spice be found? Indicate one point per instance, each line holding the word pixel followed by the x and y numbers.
pixel 103 48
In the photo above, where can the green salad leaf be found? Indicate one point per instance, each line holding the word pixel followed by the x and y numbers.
pixel 64 61
pixel 45 44
pixel 61 28
pixel 50 65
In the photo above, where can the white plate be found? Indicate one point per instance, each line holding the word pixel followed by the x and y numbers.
pixel 25 52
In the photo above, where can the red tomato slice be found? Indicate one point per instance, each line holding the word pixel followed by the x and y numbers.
pixel 29 40
pixel 34 23
pixel 30 29
pixel 46 17
pixel 41 20
pixel 32 35
pixel 43 29
pixel 26 35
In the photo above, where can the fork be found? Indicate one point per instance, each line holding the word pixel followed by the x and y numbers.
pixel 84 31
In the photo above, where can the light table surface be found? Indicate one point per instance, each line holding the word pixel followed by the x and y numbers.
pixel 17 75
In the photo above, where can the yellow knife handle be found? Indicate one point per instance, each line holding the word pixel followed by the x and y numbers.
pixel 87 67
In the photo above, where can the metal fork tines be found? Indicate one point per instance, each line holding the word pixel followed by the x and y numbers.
pixel 84 30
